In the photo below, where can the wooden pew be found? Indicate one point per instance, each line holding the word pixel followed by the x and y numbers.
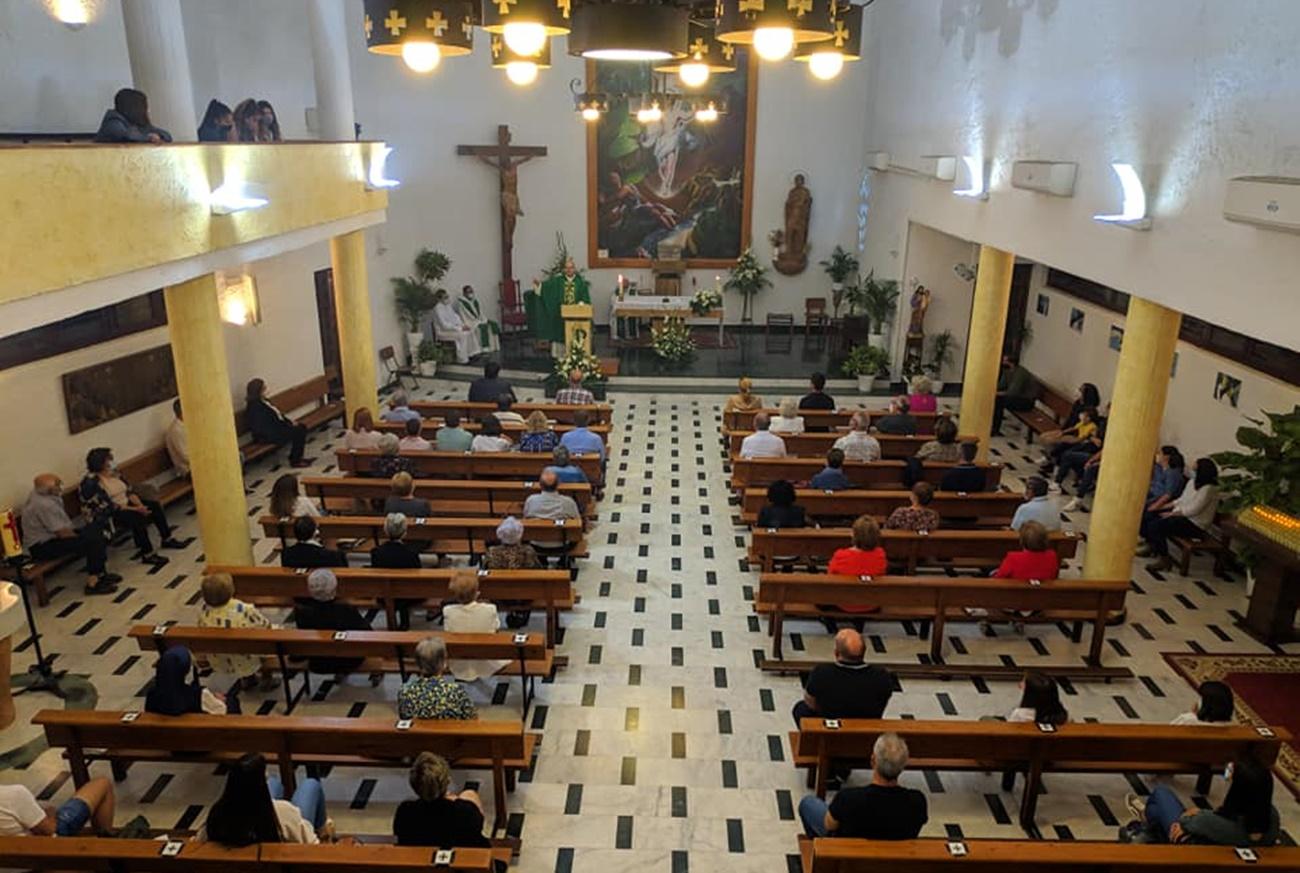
pixel 289 742
pixel 314 393
pixel 1077 747
pixel 453 535
pixel 870 475
pixel 816 445
pixel 429 428
pixel 467 465
pixel 949 548
pixel 837 855
pixel 597 413
pixel 990 507
pixel 940 599
pixel 824 418
pixel 1050 411
pixel 547 590
pixel 494 497
pixel 388 651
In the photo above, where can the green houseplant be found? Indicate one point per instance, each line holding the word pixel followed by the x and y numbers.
pixel 1267 472
pixel 747 277
pixel 415 297
pixel 839 266
pixel 941 355
pixel 868 364
pixel 878 299
pixel 430 354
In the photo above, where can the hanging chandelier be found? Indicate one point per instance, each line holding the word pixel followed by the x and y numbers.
pixel 827 58
pixel 705 55
pixel 421 33
pixel 526 25
pixel 520 69
pixel 629 31
pixel 774 27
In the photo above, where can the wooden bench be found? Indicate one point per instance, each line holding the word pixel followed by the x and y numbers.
pixel 839 855
pixel 314 393
pixel 816 445
pixel 597 413
pixel 911 549
pixel 1214 542
pixel 429 428
pixel 493 497
pixel 989 507
pixel 288 741
pixel 385 651
pixel 144 856
pixel 1077 747
pixel 1051 409
pixel 870 475
pixel 547 590
pixel 470 465
pixel 938 600
pixel 832 419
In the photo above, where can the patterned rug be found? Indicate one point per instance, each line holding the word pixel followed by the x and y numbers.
pixel 1267 688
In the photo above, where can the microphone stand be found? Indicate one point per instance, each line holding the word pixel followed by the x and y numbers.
pixel 44 677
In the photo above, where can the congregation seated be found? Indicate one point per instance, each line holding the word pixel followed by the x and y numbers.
pixel 943 448
pixel 817 398
pixel 831 478
pixel 390 462
pixel 567 472
pixel 1017 391
pixel 128 121
pixel 1038 507
pixel 538 434
pixel 1036 559
pixel 1078 444
pixel 781 510
pixel 864 559
pixel 1086 396
pixel 110 502
pixel 323 611
pixel 51 534
pixel 762 443
pixel 221 609
pixel 883 810
pixel 1214 706
pixel 307 552
pixel 489 438
pixel 218 124
pixel 176 689
pixel 399 408
pixel 1040 701
pixel 921 398
pixel 451 437
pixel 288 501
pixel 431 694
pixel 1247 816
pixel 395 554
pixel 438 816
pixel 1189 516
pixel 505 413
pixel 966 476
pixel 362 435
pixel 403 499
pixel 1168 479
pixel 21 815
pixel 580 440
pixel 848 687
pixel 788 420
pixel 899 421
pixel 466 614
pixel 271 426
pixel 176 441
pixel 252 809
pixel 575 393
pixel 510 551
pixel 548 502
pixel 858 444
pixel 490 386
pixel 917 515
pixel 412 440
pixel 744 400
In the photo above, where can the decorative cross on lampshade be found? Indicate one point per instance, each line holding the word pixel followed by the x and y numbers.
pixel 526 25
pixel 392 25
pixel 846 37
pixel 502 54
pixel 793 21
pixel 704 49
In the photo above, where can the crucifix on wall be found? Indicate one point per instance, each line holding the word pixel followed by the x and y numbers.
pixel 506 159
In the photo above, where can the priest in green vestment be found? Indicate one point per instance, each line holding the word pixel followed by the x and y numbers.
pixel 543 305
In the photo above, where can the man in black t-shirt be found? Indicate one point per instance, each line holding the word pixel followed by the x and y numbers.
pixel 883 810
pixel 965 476
pixel 848 688
pixel 817 398
pixel 490 388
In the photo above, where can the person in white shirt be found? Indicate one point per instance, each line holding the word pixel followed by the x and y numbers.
pixel 363 435
pixel 21 815
pixel 288 501
pixel 762 443
pixel 505 414
pixel 178 447
pixel 489 438
pixel 469 615
pixel 1038 506
pixel 252 809
pixel 448 326
pixel 857 444
pixel 1215 706
pixel 1191 515
pixel 412 440
pixel 789 420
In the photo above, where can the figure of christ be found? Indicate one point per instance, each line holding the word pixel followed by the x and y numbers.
pixel 510 210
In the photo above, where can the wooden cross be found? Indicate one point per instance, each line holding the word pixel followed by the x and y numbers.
pixel 499 157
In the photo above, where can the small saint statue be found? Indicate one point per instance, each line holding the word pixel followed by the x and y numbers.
pixel 920 303
pixel 792 254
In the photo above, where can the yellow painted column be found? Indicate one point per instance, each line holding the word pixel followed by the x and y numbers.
pixel 352 306
pixel 199 351
pixel 1132 435
pixel 988 321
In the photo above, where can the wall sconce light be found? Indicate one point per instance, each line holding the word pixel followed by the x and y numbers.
pixel 377 179
pixel 1134 211
pixel 976 185
pixel 237 299
pixel 234 196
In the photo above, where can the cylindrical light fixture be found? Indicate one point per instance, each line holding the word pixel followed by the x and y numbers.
pixel 826 59
pixel 421 33
pixel 774 27
pixel 591 106
pixel 526 25
pixel 629 32
pixel 705 55
pixel 520 69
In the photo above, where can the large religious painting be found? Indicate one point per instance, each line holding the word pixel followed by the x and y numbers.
pixel 678 181
pixel 115 388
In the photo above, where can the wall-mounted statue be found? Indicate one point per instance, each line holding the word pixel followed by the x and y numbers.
pixel 792 241
pixel 920 303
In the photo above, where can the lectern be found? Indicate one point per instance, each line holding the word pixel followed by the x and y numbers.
pixel 577 325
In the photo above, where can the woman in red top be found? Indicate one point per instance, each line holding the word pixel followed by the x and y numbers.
pixel 864 558
pixel 1036 560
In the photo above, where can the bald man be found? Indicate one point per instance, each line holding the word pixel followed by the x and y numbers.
pixel 762 443
pixel 548 502
pixel 49 533
pixel 847 688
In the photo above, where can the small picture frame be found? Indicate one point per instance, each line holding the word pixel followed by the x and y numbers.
pixel 831 724
pixel 404 724
pixel 1042 306
pixel 957 848
pixel 171 848
pixel 1076 320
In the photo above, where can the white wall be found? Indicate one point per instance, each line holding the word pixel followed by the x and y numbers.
pixel 1193 91
pixel 930 257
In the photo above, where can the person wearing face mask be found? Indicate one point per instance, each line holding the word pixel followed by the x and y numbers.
pixel 108 499
pixel 471 312
pixel 51 534
pixel 218 124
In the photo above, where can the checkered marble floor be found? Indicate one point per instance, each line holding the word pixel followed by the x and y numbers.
pixel 664 747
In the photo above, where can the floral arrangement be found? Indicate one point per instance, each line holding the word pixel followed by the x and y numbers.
pixel 705 300
pixel 578 358
pixel 672 341
pixel 748 277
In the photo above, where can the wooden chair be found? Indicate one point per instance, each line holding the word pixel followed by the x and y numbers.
pixel 780 320
pixel 814 315
pixel 396 371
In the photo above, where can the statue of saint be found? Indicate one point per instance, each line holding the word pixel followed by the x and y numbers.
pixel 920 303
pixel 792 257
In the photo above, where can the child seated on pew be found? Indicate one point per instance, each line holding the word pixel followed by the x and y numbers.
pixel 21 815
pixel 221 609
pixel 252 809
pixel 1247 816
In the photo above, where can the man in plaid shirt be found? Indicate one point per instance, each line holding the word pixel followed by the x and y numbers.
pixel 575 394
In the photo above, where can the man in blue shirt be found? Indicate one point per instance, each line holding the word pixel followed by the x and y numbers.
pixel 581 441
pixel 832 478
pixel 1037 506
pixel 399 408
pixel 566 471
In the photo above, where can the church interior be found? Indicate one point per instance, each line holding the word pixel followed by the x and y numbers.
pixel 745 435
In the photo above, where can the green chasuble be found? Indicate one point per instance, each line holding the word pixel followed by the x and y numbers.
pixel 543 309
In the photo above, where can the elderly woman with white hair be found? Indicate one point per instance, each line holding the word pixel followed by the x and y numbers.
pixel 512 553
pixel 323 611
pixel 390 463
pixel 789 420
pixel 395 554
pixel 433 694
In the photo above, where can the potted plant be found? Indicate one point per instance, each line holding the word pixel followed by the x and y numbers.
pixel 941 355
pixel 415 295
pixel 839 266
pixel 672 341
pixel 869 364
pixel 878 299
pixel 430 354
pixel 748 277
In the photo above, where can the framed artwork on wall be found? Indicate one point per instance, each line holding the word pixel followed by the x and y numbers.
pixel 1116 340
pixel 1043 304
pixel 1076 319
pixel 96 395
pixel 1227 389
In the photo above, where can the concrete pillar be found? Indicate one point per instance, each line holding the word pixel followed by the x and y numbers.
pixel 1132 435
pixel 352 307
pixel 199 351
pixel 160 64
pixel 988 321
pixel 329 52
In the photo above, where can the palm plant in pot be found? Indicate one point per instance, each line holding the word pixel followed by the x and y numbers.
pixel 878 299
pixel 941 355
pixel 431 354
pixel 839 266
pixel 414 296
pixel 869 365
